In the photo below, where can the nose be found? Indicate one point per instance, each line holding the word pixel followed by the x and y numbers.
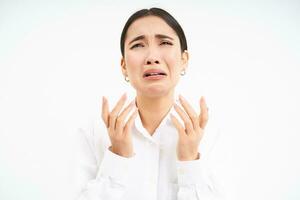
pixel 152 57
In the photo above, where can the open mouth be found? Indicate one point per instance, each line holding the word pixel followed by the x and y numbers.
pixel 147 74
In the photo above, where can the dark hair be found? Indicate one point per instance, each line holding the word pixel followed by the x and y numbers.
pixel 167 17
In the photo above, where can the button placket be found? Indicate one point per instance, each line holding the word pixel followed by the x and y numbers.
pixel 153 151
pixel 181 171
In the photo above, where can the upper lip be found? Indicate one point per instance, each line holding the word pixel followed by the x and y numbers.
pixel 149 71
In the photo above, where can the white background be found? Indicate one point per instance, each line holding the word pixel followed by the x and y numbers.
pixel 58 58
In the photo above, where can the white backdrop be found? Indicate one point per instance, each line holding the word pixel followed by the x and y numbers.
pixel 57 59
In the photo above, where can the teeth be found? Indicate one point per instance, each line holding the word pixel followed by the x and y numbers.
pixel 154 74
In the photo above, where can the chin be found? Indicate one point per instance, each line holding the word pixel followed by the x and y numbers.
pixel 157 91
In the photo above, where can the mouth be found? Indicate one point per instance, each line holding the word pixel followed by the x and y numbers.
pixel 154 73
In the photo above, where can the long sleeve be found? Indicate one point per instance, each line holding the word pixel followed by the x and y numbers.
pixel 199 179
pixel 196 181
pixel 104 181
pixel 152 173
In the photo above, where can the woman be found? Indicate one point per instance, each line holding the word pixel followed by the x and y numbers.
pixel 146 151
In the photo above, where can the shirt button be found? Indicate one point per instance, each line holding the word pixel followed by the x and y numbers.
pixel 152 179
pixel 149 143
pixel 181 171
pixel 126 168
pixel 153 183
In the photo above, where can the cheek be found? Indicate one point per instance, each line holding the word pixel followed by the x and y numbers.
pixel 173 60
pixel 133 60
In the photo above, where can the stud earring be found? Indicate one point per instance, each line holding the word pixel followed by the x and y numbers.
pixel 126 79
pixel 182 73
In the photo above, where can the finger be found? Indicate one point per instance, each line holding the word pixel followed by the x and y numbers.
pixel 105 111
pixel 114 113
pixel 190 111
pixel 178 126
pixel 121 119
pixel 203 118
pixel 187 121
pixel 130 121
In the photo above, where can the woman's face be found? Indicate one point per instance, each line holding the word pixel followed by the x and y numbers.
pixel 153 59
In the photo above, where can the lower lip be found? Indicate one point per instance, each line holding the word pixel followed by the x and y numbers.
pixel 157 77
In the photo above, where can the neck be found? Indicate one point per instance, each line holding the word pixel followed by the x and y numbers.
pixel 152 110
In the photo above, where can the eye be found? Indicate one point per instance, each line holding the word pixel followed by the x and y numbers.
pixel 166 43
pixel 137 45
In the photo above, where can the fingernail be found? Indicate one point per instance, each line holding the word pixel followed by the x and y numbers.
pixel 136 112
pixel 131 103
pixel 176 105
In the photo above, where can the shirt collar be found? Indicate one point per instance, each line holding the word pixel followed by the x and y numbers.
pixel 156 135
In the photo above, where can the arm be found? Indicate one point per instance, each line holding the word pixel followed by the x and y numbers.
pixel 104 172
pixel 196 181
pixel 195 178
pixel 104 181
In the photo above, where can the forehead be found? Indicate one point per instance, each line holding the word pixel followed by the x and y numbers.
pixel 149 26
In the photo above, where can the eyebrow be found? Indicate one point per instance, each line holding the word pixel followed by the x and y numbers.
pixel 159 36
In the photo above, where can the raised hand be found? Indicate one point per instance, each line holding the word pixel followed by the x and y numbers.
pixel 192 132
pixel 119 131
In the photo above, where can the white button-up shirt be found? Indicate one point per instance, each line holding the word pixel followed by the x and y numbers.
pixel 153 173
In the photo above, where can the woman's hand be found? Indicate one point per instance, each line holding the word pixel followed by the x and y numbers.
pixel 119 131
pixel 190 135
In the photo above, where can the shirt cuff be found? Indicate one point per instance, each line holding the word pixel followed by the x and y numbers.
pixel 115 167
pixel 192 172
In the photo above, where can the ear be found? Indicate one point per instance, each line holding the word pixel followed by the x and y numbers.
pixel 185 59
pixel 123 66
